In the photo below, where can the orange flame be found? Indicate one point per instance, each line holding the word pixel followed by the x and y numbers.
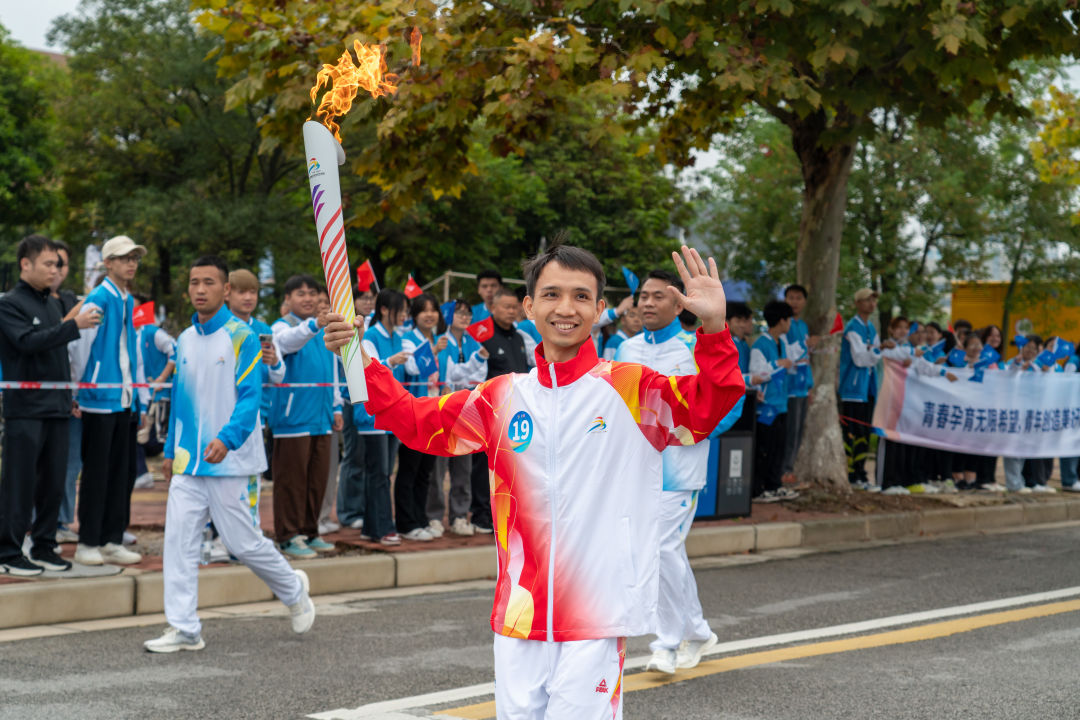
pixel 344 80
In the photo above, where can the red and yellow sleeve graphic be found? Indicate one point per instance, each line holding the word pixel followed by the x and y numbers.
pixel 454 424
pixel 681 409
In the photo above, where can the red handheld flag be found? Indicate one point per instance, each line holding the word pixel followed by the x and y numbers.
pixel 838 325
pixel 143 315
pixel 482 329
pixel 365 276
pixel 412 288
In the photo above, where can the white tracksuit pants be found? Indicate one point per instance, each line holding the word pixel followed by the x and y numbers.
pixel 678 609
pixel 225 500
pixel 539 680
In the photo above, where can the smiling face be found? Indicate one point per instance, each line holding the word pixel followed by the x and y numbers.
pixel 303 301
pixel 427 319
pixel 657 304
pixel 899 331
pixel 1030 351
pixel 973 346
pixel 243 302
pixel 565 305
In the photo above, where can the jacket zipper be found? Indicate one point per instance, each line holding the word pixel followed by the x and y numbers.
pixel 552 469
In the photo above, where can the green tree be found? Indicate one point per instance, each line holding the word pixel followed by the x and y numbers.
pixel 28 146
pixel 821 67
pixel 1056 150
pixel 151 151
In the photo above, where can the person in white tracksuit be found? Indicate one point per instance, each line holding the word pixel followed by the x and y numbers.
pixel 574 467
pixel 213 452
pixel 682 634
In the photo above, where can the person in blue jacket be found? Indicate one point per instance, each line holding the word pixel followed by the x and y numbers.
pixel 768 357
pixel 303 419
pixel 488 283
pixel 860 353
pixel 800 380
pixel 110 416
pixel 380 447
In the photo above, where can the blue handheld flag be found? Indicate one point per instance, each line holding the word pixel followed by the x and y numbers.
pixel 448 312
pixel 632 281
pixel 424 358
pixel 957 358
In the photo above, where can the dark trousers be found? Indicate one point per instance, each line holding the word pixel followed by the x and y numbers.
pixel 350 490
pixel 31 482
pixel 481 492
pixel 856 427
pixel 769 454
pixel 1037 471
pixel 378 517
pixel 301 466
pixel 987 470
pixel 108 475
pixel 895 459
pixel 411 488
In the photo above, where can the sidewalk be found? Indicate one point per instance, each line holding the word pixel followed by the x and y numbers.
pixel 815 520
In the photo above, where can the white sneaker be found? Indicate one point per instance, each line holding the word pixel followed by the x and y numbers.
pixel 1043 489
pixel 64 535
pixel 896 490
pixel 1074 488
pixel 357 524
pixel 173 641
pixel 689 655
pixel 435 528
pixel 662 661
pixel 144 481
pixel 129 538
pixel 119 555
pixel 218 552
pixel 419 535
pixel 1025 490
pixel 461 526
pixel 303 610
pixel 325 528
pixel 992 487
pixel 88 555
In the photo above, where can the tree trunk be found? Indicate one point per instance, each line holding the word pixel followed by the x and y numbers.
pixel 825 177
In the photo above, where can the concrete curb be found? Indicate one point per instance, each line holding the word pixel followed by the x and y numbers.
pixel 50 602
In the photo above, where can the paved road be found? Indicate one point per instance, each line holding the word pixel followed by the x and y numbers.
pixel 376 647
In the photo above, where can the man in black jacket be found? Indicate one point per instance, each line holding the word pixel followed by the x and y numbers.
pixel 33 347
pixel 506 348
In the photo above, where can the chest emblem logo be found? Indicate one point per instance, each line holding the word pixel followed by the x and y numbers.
pixel 598 425
pixel 520 431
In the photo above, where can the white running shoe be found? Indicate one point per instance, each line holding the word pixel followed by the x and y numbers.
pixel 218 552
pixel 1043 489
pixel 325 528
pixel 129 538
pixel 1074 488
pixel 662 661
pixel 357 524
pixel 66 535
pixel 435 528
pixel 119 555
pixel 896 490
pixel 690 653
pixel 1025 490
pixel 461 526
pixel 303 610
pixel 174 641
pixel 144 481
pixel 88 555
pixel 418 535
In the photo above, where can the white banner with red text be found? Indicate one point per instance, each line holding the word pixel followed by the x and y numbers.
pixel 997 412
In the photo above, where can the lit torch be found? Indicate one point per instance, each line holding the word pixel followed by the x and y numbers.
pixel 322 144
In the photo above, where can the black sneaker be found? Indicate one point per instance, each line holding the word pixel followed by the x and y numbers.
pixel 48 559
pixel 20 567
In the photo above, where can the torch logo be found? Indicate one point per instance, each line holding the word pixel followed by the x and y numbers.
pixel 313 167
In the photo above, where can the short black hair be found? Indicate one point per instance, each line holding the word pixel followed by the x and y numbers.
pixel 776 312
pixel 61 245
pixel 31 246
pixel 298 281
pixel 460 303
pixel 797 288
pixel 420 303
pixel 391 299
pixel 665 276
pixel 571 258
pixel 739 310
pixel 687 318
pixel 962 324
pixel 1033 338
pixel 520 292
pixel 213 261
pixel 489 274
pixel 505 292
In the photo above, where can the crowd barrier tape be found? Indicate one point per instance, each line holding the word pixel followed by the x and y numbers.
pixel 60 385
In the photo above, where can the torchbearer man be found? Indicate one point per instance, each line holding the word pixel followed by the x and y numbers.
pixel 213 450
pixel 682 635
pixel 574 454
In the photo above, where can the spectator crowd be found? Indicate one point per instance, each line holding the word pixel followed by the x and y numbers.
pixel 79 455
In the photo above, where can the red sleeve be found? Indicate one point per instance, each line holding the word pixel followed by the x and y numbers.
pixel 683 409
pixel 454 424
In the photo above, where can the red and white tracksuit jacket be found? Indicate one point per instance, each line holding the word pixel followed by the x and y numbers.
pixel 575 469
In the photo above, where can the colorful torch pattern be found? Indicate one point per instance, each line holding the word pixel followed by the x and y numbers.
pixel 324 155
